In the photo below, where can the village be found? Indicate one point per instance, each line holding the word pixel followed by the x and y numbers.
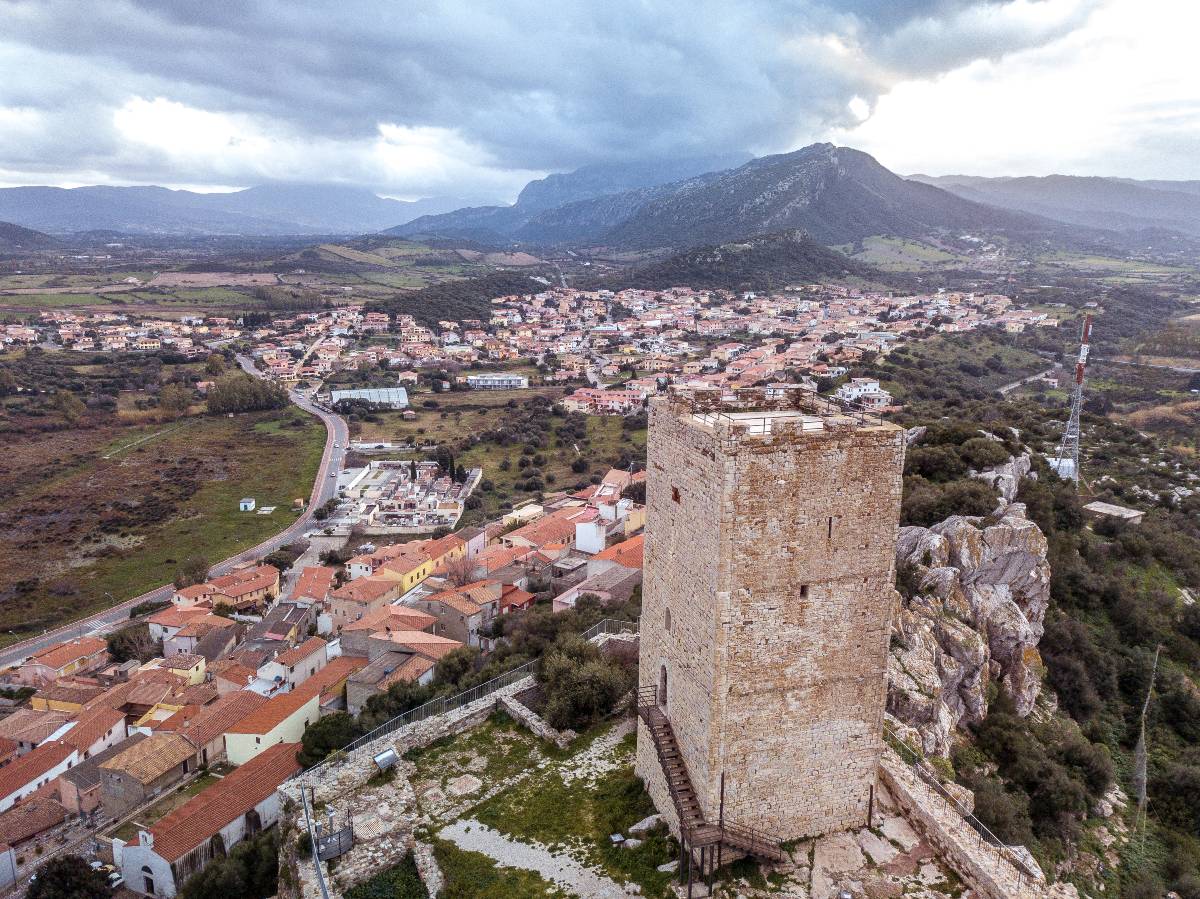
pixel 187 747
pixel 612 350
pixel 145 764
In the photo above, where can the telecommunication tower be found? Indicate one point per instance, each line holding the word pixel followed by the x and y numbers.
pixel 1067 462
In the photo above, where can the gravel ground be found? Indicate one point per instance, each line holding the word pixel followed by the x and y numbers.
pixel 562 869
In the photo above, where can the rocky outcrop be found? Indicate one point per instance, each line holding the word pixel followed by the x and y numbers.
pixel 1006 478
pixel 975 598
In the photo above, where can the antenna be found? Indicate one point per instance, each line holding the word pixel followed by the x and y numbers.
pixel 1067 462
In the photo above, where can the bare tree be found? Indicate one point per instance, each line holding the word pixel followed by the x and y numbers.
pixel 460 571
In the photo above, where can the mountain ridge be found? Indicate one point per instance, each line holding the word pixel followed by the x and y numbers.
pixel 269 209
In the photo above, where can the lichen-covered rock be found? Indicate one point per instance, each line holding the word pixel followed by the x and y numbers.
pixel 981 589
pixel 1006 478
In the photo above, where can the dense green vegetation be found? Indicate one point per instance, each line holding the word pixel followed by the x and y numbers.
pixel 469 298
pixel 240 392
pixel 401 881
pixel 69 877
pixel 249 871
pixel 760 263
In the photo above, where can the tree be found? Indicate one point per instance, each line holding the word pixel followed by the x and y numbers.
pixel 192 570
pixel 132 642
pixel 460 571
pixel 69 877
pixel 69 405
pixel 240 392
pixel 214 365
pixel 580 684
pixel 455 665
pixel 328 734
pixel 174 399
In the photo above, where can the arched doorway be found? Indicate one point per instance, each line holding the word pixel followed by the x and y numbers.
pixel 148 879
pixel 662 685
pixel 253 822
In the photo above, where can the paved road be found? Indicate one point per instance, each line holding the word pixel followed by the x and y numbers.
pixel 336 439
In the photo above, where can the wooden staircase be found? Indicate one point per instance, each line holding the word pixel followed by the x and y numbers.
pixel 694 830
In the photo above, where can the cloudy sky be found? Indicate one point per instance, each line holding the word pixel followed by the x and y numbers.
pixel 475 97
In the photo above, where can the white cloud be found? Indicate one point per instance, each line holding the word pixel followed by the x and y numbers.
pixel 1118 96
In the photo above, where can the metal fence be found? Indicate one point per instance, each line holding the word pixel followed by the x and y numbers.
pixel 312 838
pixel 929 776
pixel 449 703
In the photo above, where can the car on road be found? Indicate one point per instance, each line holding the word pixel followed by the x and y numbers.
pixel 333 474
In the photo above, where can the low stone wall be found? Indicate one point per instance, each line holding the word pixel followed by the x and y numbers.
pixel 533 722
pixel 389 808
pixel 979 864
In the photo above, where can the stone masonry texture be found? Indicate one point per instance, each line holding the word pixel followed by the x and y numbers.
pixel 767 604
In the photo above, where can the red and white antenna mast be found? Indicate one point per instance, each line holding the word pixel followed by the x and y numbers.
pixel 1067 462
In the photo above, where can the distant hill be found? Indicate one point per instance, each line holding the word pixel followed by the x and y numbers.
pixel 1112 203
pixel 761 263
pixel 538 215
pixel 458 300
pixel 268 210
pixel 836 195
pixel 14 237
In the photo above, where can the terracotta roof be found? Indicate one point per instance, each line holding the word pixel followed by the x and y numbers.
pixel 182 661
pixel 177 617
pixel 91 727
pixel 31 726
pixel 61 654
pixel 153 757
pixel 32 766
pixel 236 673
pixel 454 600
pixel 430 645
pixel 396 617
pixel 410 671
pixel 242 582
pixel 315 582
pixel 627 553
pixel 30 818
pixel 366 589
pixel 437 548
pixel 329 679
pixel 69 692
pixel 232 796
pixel 301 652
pixel 271 713
pixel 557 527
pixel 203 724
pixel 196 591
pixel 515 598
pixel 496 557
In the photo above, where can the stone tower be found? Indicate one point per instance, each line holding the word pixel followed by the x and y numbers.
pixel 767 603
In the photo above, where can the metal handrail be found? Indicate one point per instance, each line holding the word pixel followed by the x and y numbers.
pixel 449 703
pixel 312 838
pixel 930 777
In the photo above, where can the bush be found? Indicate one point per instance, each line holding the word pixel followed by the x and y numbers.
pixel 240 392
pixel 580 685
pixel 69 877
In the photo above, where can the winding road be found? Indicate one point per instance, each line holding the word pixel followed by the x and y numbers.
pixel 336 440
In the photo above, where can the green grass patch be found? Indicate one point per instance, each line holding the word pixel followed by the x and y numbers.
pixel 401 881
pixel 533 811
pixel 472 875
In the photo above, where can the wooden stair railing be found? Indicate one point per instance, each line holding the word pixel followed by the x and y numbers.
pixel 694 829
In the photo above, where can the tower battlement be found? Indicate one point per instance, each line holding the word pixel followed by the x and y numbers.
pixel 767 602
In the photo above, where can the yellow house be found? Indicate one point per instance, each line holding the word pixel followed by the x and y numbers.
pixel 64 696
pixel 186 665
pixel 278 720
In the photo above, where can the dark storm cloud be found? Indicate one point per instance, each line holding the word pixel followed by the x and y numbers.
pixel 533 85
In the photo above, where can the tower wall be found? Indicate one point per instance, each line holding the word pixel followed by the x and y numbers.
pixel 774 554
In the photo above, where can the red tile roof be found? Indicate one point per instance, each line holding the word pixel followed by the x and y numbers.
pixel 627 553
pixel 203 724
pixel 367 589
pixel 30 818
pixel 315 582
pixel 329 679
pixel 429 645
pixel 31 766
pixel 268 715
pixel 299 653
pixel 202 816
pixel 396 617
pixel 91 727
pixel 242 582
pixel 61 654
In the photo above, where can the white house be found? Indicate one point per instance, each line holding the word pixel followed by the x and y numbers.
pixel 247 504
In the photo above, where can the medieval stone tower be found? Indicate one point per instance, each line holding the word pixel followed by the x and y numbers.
pixel 767 602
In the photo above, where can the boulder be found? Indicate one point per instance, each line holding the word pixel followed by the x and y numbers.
pixel 982 589
pixel 646 824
